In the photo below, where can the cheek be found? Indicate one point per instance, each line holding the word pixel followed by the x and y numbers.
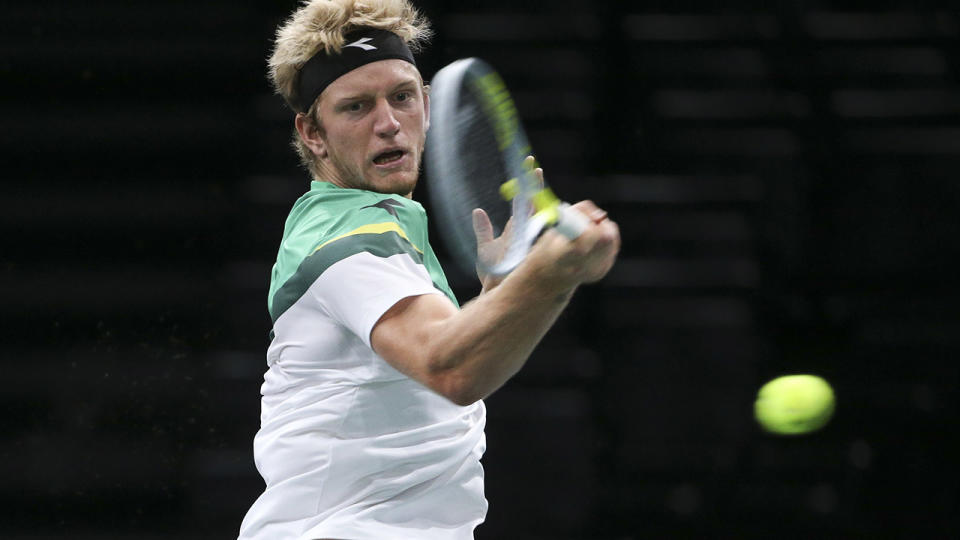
pixel 417 125
pixel 349 146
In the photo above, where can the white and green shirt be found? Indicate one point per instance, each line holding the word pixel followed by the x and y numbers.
pixel 348 446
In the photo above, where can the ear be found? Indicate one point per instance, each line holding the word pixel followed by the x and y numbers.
pixel 426 109
pixel 311 134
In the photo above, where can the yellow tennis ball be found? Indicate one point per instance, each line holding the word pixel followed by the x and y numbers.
pixel 794 404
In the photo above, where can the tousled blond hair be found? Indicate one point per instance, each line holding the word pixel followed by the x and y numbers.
pixel 322 24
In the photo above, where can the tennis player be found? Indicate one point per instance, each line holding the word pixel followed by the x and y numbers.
pixel 372 414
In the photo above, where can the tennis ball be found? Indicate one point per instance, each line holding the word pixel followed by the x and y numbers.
pixel 794 404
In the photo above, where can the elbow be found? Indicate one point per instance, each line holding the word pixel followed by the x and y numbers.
pixel 464 399
pixel 457 389
pixel 459 376
pixel 455 384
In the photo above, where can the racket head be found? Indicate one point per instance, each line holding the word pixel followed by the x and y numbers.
pixel 475 145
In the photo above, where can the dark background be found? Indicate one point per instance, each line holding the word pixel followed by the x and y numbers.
pixel 785 176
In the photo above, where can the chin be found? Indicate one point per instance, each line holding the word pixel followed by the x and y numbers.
pixel 402 184
pixel 404 188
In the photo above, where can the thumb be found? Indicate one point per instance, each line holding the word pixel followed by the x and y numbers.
pixel 481 226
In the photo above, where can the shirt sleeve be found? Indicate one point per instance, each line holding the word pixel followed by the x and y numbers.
pixel 357 290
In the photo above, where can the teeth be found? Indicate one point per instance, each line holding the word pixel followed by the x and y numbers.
pixel 387 157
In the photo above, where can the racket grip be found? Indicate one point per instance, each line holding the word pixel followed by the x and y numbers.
pixel 571 222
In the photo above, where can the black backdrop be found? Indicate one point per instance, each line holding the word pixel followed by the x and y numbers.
pixel 784 174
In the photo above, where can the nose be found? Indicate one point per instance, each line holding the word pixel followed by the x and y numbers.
pixel 386 123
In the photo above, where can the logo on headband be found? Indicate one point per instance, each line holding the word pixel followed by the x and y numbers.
pixel 362 44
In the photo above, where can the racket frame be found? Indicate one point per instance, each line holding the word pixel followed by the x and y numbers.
pixel 532 211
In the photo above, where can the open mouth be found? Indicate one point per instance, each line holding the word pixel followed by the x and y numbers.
pixel 388 157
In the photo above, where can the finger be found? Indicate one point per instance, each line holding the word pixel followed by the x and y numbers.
pixel 591 210
pixel 611 235
pixel 482 227
pixel 530 164
pixel 586 207
pixel 615 232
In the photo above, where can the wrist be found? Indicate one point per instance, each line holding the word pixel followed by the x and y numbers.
pixel 545 286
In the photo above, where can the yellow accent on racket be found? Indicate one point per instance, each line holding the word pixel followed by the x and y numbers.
pixel 509 189
pixel 545 200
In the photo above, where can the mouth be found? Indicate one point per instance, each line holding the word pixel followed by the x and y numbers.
pixel 389 157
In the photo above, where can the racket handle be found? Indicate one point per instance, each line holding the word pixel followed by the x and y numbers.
pixel 571 222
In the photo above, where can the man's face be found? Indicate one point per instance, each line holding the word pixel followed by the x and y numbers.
pixel 373 124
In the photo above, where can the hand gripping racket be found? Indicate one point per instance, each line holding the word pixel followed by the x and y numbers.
pixel 476 158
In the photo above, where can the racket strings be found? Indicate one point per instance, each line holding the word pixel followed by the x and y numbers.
pixel 482 169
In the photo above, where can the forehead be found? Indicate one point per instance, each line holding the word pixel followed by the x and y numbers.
pixel 373 78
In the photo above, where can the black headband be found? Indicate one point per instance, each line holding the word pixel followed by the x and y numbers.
pixel 361 46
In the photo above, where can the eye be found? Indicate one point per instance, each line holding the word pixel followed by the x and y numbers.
pixel 403 96
pixel 356 106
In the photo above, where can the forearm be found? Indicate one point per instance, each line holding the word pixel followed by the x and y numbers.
pixel 474 352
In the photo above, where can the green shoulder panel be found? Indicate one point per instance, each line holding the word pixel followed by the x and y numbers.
pixel 329 224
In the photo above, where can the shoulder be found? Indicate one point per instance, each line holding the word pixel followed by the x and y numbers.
pixel 334 226
pixel 333 223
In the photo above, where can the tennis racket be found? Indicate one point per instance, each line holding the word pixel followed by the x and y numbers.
pixel 480 174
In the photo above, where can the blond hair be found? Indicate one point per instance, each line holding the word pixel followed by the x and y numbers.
pixel 322 24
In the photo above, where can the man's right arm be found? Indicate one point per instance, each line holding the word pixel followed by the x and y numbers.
pixel 465 355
